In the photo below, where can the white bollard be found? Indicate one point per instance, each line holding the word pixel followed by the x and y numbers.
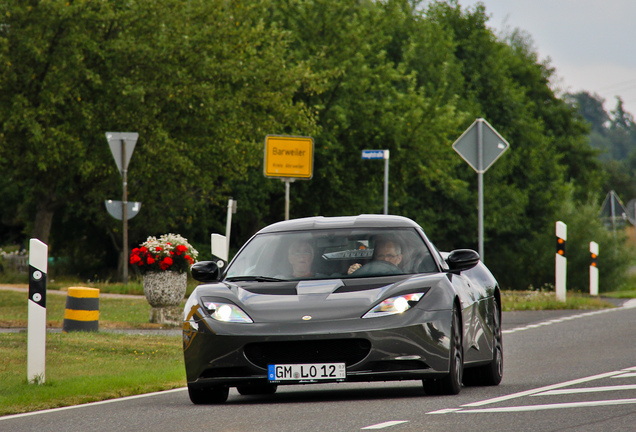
pixel 593 269
pixel 36 337
pixel 561 261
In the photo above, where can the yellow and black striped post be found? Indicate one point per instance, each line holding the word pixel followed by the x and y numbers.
pixel 82 310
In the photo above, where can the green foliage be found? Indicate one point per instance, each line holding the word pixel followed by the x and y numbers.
pixel 203 82
pixel 80 369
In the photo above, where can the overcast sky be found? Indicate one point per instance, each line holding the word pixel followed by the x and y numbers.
pixel 591 43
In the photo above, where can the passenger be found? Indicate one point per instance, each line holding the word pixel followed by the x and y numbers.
pixel 385 250
pixel 301 257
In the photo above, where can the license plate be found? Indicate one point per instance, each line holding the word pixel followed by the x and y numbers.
pixel 307 372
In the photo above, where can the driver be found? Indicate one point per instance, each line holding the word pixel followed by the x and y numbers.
pixel 301 256
pixel 385 250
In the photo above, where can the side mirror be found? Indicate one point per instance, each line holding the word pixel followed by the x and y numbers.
pixel 206 271
pixel 462 259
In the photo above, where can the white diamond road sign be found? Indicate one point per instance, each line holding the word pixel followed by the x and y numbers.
pixel 493 145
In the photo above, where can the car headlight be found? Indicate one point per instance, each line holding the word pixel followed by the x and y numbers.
pixel 394 305
pixel 225 311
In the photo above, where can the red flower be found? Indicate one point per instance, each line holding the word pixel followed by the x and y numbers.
pixel 167 262
pixel 181 249
pixel 158 248
pixel 189 259
pixel 143 250
pixel 150 260
pixel 134 259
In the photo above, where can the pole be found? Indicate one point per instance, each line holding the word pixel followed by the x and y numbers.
pixel 593 268
pixel 228 225
pixel 36 330
pixel 386 182
pixel 480 188
pixel 613 212
pixel 561 261
pixel 124 210
pixel 287 182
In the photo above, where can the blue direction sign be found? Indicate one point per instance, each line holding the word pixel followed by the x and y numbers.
pixel 375 154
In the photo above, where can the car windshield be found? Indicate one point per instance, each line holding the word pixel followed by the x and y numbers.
pixel 336 253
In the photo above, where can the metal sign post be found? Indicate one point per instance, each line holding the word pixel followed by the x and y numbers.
pixel 288 158
pixel 231 209
pixel 288 182
pixel 122 145
pixel 381 154
pixel 480 146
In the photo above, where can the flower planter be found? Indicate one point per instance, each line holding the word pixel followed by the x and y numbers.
pixel 165 291
pixel 164 262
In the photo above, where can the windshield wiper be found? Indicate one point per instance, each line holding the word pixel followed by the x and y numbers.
pixel 254 278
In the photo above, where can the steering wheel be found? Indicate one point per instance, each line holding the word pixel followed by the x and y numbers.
pixel 377 268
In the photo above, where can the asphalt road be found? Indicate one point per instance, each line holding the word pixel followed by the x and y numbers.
pixel 564 371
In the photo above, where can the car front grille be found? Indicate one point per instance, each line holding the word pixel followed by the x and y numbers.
pixel 349 351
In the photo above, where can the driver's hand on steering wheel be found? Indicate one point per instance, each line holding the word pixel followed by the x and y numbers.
pixel 353 268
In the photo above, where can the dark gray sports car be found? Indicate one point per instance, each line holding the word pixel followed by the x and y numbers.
pixel 342 299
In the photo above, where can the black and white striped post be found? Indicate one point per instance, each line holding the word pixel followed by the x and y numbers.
pixel 561 261
pixel 593 269
pixel 36 339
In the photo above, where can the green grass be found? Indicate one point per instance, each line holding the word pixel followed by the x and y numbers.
pixel 87 367
pixel 538 300
pixel 621 294
pixel 113 312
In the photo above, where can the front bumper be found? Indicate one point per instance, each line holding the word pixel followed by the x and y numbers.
pixel 414 345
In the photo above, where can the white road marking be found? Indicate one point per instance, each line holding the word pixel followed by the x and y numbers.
pixel 445 411
pixel 542 389
pixel 629 304
pixel 552 390
pixel 551 406
pixel 626 375
pixel 385 424
pixel 587 390
pixel 560 320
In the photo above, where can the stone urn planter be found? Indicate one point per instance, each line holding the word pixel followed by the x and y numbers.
pixel 165 290
pixel 164 263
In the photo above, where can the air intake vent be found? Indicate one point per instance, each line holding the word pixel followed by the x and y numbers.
pixel 349 351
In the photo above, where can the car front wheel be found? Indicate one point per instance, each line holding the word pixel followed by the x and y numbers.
pixel 491 373
pixel 451 384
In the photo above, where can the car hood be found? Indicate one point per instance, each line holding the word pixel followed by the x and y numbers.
pixel 330 299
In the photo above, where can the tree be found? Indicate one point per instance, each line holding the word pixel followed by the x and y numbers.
pixel 201 82
pixel 204 81
pixel 591 108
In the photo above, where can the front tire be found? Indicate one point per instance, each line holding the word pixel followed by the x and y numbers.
pixel 451 384
pixel 208 395
pixel 491 373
